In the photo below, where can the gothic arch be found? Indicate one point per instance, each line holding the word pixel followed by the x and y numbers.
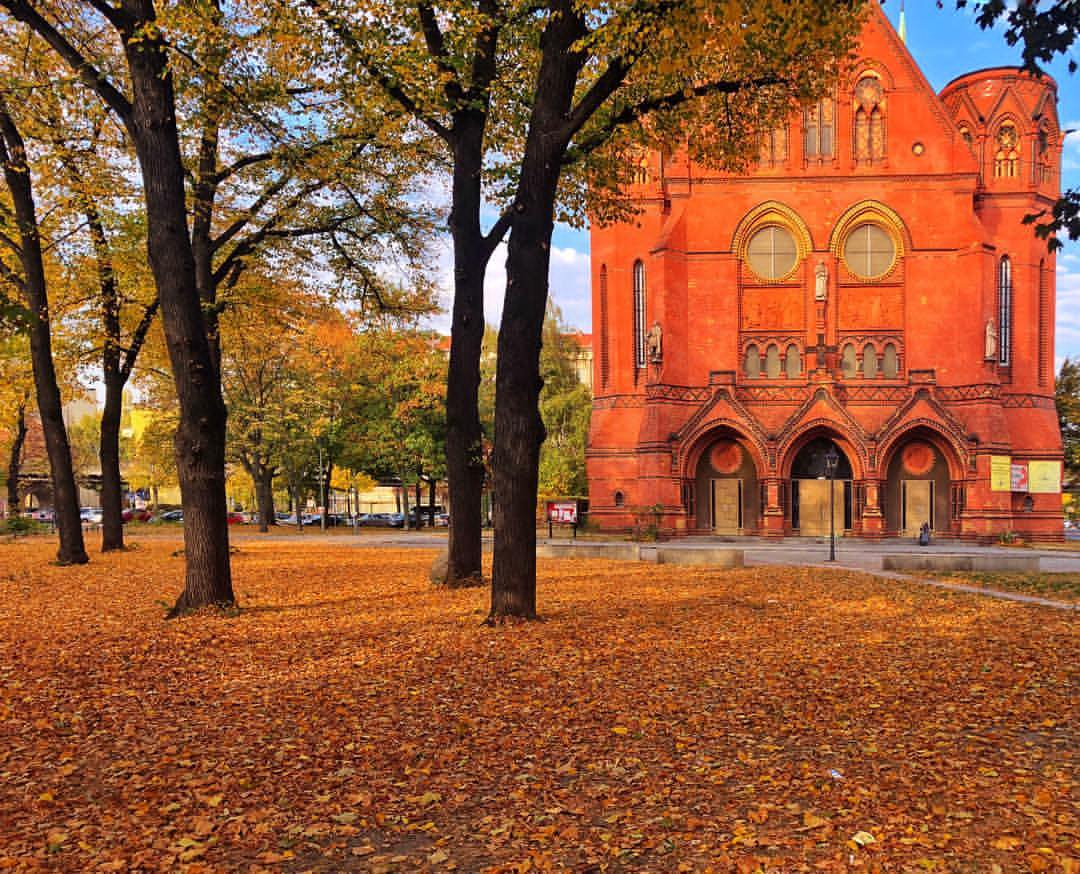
pixel 852 444
pixel 1007 158
pixel 878 213
pixel 939 420
pixel 870 67
pixel 708 435
pixel 772 212
pixel 931 431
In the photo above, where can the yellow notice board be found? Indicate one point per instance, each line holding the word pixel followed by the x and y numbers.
pixel 1000 473
pixel 1044 477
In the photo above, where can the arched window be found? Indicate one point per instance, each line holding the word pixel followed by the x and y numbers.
pixel 1007 156
pixel 619 499
pixel 1005 307
pixel 639 314
pixel 819 125
pixel 772 361
pixel 869 251
pixel 753 362
pixel 792 364
pixel 869 120
pixel 848 364
pixel 774 147
pixel 772 252
pixel 638 167
pixel 605 359
pixel 965 135
pixel 1045 331
pixel 869 361
pixel 889 365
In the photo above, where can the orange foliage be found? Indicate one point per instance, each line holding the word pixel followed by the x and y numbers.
pixel 351 717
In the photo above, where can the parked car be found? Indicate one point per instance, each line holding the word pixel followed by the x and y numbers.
pixel 442 520
pixel 169 516
pixel 424 511
pixel 91 515
pixel 236 518
pixel 305 519
pixel 386 520
pixel 42 515
pixel 136 515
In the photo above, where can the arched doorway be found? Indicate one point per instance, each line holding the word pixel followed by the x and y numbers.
pixel 810 486
pixel 917 486
pixel 728 497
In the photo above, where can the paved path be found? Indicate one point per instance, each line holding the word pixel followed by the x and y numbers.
pixel 856 555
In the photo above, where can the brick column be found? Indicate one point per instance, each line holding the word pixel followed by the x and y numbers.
pixel 773 514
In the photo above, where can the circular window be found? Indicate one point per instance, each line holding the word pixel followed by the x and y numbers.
pixel 869 251
pixel 772 253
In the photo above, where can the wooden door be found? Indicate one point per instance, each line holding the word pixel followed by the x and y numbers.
pixel 814 507
pixel 727 506
pixel 918 504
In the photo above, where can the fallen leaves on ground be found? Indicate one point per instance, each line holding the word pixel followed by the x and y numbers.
pixel 351 717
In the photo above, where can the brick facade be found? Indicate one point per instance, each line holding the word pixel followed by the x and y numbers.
pixel 868 286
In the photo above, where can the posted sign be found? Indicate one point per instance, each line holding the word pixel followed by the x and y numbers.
pixel 1000 473
pixel 562 512
pixel 1019 478
pixel 1044 477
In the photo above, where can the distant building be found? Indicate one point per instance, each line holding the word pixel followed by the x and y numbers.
pixel 867 293
pixel 583 359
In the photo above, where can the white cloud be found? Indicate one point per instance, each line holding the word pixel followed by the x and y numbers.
pixel 1068 309
pixel 568 279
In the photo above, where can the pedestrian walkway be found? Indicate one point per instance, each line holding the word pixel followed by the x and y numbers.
pixel 854 555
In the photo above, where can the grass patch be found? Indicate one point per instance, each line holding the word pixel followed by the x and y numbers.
pixel 1059 587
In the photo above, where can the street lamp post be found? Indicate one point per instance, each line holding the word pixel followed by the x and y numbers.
pixel 832 459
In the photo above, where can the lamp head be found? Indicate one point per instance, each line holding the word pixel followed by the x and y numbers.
pixel 832 459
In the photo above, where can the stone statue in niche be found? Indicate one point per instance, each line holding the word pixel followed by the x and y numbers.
pixel 821 281
pixel 991 340
pixel 654 343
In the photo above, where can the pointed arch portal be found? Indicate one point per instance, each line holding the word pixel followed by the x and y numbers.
pixel 810 488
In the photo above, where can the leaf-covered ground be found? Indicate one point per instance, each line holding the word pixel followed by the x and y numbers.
pixel 351 717
pixel 1056 586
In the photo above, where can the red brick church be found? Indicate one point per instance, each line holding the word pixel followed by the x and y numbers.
pixel 865 297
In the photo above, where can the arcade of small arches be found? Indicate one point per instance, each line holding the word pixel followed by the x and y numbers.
pixel 772 241
pixel 731 487
pixel 870 360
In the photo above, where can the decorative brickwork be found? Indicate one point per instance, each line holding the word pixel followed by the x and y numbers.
pixel 843 294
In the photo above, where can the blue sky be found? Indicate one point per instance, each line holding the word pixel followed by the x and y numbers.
pixel 946 43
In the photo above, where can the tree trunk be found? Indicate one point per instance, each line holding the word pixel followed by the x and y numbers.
pixel 200 435
pixel 405 503
pixel 116 366
pixel 519 429
pixel 112 520
pixel 464 435
pixel 263 477
pixel 15 461
pixel 50 407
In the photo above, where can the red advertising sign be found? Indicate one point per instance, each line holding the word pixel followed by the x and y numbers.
pixel 1019 478
pixel 562 512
